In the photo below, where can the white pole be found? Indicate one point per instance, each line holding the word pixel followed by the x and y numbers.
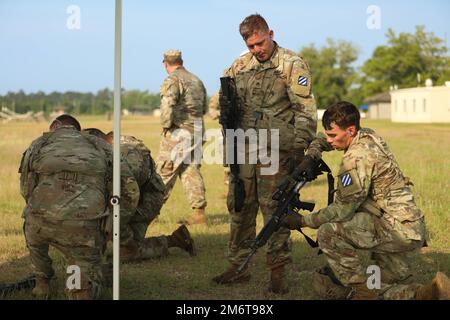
pixel 116 149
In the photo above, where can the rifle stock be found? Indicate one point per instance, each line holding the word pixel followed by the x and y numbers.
pixel 287 195
pixel 229 119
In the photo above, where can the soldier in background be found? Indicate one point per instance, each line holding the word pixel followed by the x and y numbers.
pixel 183 105
pixel 214 113
pixel 65 179
pixel 213 106
pixel 274 88
pixel 374 210
pixel 134 246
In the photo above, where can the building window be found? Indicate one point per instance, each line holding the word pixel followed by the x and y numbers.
pixel 424 105
pixel 414 105
pixel 404 106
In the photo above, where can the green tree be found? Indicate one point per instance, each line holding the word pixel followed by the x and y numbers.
pixel 404 57
pixel 333 71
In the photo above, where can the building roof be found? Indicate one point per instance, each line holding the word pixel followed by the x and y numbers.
pixel 381 97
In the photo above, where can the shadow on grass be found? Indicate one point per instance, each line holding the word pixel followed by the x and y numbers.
pixel 18 269
pixel 181 277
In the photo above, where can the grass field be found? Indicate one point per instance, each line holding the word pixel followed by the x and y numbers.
pixel 423 152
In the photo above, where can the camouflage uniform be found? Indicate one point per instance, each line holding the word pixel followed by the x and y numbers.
pixel 213 106
pixel 151 187
pixel 275 94
pixel 214 112
pixel 374 210
pixel 65 180
pixel 183 102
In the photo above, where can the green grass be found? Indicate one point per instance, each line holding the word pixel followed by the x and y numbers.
pixel 422 151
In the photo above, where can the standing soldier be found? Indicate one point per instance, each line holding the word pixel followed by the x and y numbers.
pixel 213 106
pixel 274 89
pixel 214 113
pixel 134 246
pixel 65 178
pixel 374 210
pixel 183 105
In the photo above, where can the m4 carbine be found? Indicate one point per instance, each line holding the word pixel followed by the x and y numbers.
pixel 287 195
pixel 229 119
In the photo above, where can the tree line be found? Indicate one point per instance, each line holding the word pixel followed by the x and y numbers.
pixel 79 102
pixel 406 60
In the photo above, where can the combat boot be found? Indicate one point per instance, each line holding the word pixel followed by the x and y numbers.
pixel 82 294
pixel 278 283
pixel 438 289
pixel 327 286
pixel 362 292
pixel 181 238
pixel 231 275
pixel 198 217
pixel 41 289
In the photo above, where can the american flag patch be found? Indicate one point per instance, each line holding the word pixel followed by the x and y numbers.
pixel 346 180
pixel 303 81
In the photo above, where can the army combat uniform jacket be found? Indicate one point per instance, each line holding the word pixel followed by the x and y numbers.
pixel 370 179
pixel 277 94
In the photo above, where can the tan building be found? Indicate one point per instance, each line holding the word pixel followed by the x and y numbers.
pixel 421 105
pixel 379 106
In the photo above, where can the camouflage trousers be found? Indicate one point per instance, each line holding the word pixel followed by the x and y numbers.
pixel 133 241
pixel 190 177
pixel 388 243
pixel 258 195
pixel 80 242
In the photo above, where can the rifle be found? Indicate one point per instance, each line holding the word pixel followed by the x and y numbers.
pixel 287 195
pixel 229 119
pixel 25 284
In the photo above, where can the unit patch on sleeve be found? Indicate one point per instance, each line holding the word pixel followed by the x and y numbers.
pixel 303 81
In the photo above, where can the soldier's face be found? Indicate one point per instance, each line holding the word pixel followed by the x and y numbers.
pixel 339 138
pixel 261 45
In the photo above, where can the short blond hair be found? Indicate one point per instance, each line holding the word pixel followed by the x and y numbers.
pixel 252 24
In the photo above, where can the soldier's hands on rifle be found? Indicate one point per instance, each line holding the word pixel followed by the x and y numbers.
pixel 307 165
pixel 224 102
pixel 293 221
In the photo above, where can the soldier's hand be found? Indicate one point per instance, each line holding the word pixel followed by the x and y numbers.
pixel 224 103
pixel 295 159
pixel 293 221
pixel 307 165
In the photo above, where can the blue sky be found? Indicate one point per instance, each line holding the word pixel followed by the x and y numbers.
pixel 39 52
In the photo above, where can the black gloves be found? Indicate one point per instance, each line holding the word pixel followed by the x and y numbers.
pixel 293 221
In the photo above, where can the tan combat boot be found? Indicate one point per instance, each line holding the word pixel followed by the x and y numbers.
pixel 327 286
pixel 362 292
pixel 231 275
pixel 278 283
pixel 438 289
pixel 181 238
pixel 82 294
pixel 41 289
pixel 198 217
